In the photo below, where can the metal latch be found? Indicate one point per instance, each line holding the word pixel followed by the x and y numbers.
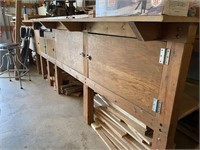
pixel 156 107
pixel 164 56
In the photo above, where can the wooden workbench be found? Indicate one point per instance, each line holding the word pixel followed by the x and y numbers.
pixel 118 57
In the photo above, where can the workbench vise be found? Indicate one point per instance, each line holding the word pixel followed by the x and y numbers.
pixel 60 7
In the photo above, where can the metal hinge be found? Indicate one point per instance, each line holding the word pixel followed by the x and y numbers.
pixel 156 107
pixel 164 56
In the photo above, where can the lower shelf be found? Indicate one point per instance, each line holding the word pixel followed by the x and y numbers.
pixel 189 100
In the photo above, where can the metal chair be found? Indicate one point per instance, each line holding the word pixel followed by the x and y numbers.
pixel 19 69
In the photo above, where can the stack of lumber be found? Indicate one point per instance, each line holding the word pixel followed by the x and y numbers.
pixel 117 128
pixel 73 88
pixel 52 80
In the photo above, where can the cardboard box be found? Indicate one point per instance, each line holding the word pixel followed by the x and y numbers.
pixel 141 7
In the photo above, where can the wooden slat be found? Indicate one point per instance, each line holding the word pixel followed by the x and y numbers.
pixel 115 137
pixel 129 118
pixel 113 140
pixel 84 53
pixel 189 100
pixel 18 21
pixel 118 131
pixel 133 126
pixel 161 18
pixel 88 103
pixel 38 62
pixel 99 131
pixel 43 62
pixel 133 142
pixel 58 78
pixel 50 71
pixel 125 128
pixel 37 41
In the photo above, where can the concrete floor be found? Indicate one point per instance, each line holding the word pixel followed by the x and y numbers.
pixel 37 118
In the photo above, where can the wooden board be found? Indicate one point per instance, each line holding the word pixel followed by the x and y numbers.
pixel 36 38
pixel 42 45
pixel 116 129
pixel 132 125
pixel 130 118
pixel 112 139
pixel 121 29
pixel 113 135
pixel 69 46
pixel 161 18
pixel 105 139
pixel 50 48
pixel 124 127
pixel 189 100
pixel 127 67
pixel 50 43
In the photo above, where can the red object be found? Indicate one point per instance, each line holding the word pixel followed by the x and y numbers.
pixel 111 2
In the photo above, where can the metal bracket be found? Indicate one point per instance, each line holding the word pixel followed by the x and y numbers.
pixel 164 56
pixel 156 107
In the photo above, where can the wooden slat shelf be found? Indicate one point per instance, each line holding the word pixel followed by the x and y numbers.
pixel 162 18
pixel 189 100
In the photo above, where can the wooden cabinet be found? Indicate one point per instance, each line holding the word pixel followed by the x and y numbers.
pixel 69 46
pixel 127 67
pixel 138 63
pixel 50 45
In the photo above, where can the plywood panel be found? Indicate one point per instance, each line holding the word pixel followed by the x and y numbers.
pixel 127 67
pixel 37 44
pixel 50 47
pixel 42 44
pixel 50 43
pixel 69 46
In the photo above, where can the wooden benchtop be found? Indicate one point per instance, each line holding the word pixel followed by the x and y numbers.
pixel 161 18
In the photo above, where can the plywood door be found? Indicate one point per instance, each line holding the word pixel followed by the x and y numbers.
pixel 37 44
pixel 127 67
pixel 69 46
pixel 50 43
pixel 42 44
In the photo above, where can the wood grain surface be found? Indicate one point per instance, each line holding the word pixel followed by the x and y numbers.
pixel 127 67
pixel 68 47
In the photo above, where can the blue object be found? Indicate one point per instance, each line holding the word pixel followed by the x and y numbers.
pixel 24 9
